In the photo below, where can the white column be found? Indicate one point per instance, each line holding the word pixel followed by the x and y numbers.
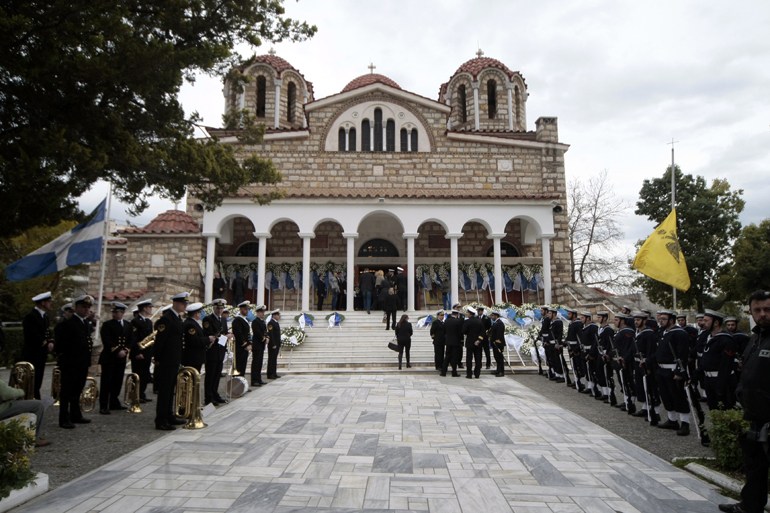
pixel 351 278
pixel 476 103
pixel 306 237
pixel 499 284
pixel 371 136
pixel 208 284
pixel 510 107
pixel 277 109
pixel 347 139
pixel 546 241
pixel 410 237
pixel 261 266
pixel 454 266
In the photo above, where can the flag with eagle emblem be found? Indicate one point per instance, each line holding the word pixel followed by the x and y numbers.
pixel 661 258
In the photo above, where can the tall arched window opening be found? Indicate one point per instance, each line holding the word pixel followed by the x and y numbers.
pixel 404 140
pixel 492 98
pixel 291 101
pixel 377 129
pixel 261 96
pixel 517 104
pixel 341 140
pixel 390 135
pixel 352 139
pixel 414 139
pixel 366 132
pixel 462 104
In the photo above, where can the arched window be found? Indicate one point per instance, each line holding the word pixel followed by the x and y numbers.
pixel 378 248
pixel 506 249
pixel 341 140
pixel 352 139
pixel 492 98
pixel 377 129
pixel 414 139
pixel 404 140
pixel 248 249
pixel 517 111
pixel 261 96
pixel 291 100
pixel 462 104
pixel 366 131
pixel 390 135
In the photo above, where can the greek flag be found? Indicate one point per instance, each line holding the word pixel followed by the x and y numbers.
pixel 82 244
pixel 425 321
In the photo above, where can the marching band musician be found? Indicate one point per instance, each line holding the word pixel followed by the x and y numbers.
pixel 168 356
pixel 73 347
pixel 214 327
pixel 195 341
pixel 116 339
pixel 38 341
pixel 259 341
pixel 273 344
pixel 242 334
pixel 141 325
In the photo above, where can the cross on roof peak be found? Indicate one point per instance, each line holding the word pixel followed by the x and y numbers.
pixel 479 53
pixel 272 51
pixel 371 67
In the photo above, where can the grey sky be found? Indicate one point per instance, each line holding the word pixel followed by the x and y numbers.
pixel 624 78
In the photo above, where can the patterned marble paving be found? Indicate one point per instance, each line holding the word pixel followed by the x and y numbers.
pixel 387 444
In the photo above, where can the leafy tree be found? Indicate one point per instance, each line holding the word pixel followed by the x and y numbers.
pixel 750 269
pixel 88 91
pixel 707 225
pixel 593 229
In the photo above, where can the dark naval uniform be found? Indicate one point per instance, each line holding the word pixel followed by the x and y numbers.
pixel 716 364
pixel 497 339
pixel 590 340
pixel 195 344
pixel 604 370
pixel 168 357
pixel 671 374
pixel 438 335
pixel 575 330
pixel 473 330
pixel 645 345
pixel 258 344
pixel 142 328
pixel 242 335
pixel 273 347
pixel 622 360
pixel 37 335
pixel 212 327
pixel 553 339
pixel 453 335
pixel 116 340
pixel 486 323
pixel 73 346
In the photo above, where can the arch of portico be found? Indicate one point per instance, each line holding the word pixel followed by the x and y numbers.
pixel 359 220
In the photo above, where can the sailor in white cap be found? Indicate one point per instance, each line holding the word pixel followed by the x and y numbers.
pixel 671 372
pixel 497 339
pixel 453 336
pixel 437 335
pixel 168 357
pixel 242 335
pixel 142 327
pixel 258 344
pixel 116 335
pixel 213 328
pixel 67 310
pixel 38 339
pixel 575 348
pixel 73 347
pixel 273 343
pixel 473 331
pixel 195 340
pixel 717 362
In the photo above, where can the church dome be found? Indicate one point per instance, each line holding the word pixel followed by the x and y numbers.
pixel 277 63
pixel 368 79
pixel 479 64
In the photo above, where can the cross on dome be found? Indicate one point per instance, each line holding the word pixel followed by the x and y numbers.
pixel 272 51
pixel 371 67
pixel 479 54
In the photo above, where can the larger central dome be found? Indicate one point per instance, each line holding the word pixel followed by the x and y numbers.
pixel 369 78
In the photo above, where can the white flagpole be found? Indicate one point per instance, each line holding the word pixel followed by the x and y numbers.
pixel 673 201
pixel 103 263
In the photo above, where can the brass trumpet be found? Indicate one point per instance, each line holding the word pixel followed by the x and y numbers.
pixel 23 377
pixel 131 394
pixel 188 398
pixel 148 341
pixel 56 386
pixel 89 395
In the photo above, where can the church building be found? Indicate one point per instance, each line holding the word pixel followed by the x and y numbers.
pixel 454 191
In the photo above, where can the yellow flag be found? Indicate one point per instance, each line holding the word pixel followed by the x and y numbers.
pixel 661 258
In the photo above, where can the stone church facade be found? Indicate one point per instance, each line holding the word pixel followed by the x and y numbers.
pixel 373 177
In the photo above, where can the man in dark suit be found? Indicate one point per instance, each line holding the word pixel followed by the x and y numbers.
pixel 273 344
pixel 401 288
pixel 366 285
pixel 195 340
pixel 38 341
pixel 453 335
pixel 438 335
pixel 487 323
pixel 473 330
pixel 219 285
pixel 73 346
pixel 497 339
pixel 168 356
pixel 258 342
pixel 213 327
pixel 242 335
pixel 116 340
pixel 141 325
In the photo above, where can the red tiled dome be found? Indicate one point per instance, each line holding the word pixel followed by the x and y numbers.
pixel 476 65
pixel 170 221
pixel 277 63
pixel 369 78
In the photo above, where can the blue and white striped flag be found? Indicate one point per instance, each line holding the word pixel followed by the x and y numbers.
pixel 82 244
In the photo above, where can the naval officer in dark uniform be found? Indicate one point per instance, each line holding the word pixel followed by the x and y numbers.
pixel 142 327
pixel 195 340
pixel 116 341
pixel 258 343
pixel 73 346
pixel 38 340
pixel 168 357
pixel 213 328
pixel 273 343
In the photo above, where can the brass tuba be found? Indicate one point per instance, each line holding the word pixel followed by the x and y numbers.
pixel 89 395
pixel 56 386
pixel 131 395
pixel 188 398
pixel 23 377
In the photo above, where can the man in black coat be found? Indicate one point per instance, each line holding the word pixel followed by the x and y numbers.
pixel 168 357
pixel 497 339
pixel 574 345
pixel 437 334
pixel 38 341
pixel 273 343
pixel 366 286
pixel 473 330
pixel 402 288
pixel 258 343
pixel 116 341
pixel 219 285
pixel 73 346
pixel 242 336
pixel 645 344
pixel 487 323
pixel 671 372
pixel 453 335
pixel 390 306
pixel 717 363
pixel 195 340
pixel 142 327
pixel 553 332
pixel 213 328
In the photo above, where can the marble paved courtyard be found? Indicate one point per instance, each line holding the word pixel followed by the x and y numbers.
pixel 388 443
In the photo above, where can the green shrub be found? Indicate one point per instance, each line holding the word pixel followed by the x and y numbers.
pixel 16 440
pixel 727 428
